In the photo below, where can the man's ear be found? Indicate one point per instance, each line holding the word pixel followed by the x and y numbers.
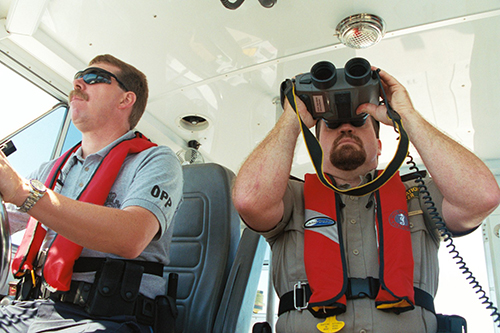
pixel 127 100
pixel 379 147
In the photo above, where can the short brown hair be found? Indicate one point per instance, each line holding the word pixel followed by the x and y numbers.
pixel 135 81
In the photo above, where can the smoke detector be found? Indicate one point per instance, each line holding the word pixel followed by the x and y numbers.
pixel 361 30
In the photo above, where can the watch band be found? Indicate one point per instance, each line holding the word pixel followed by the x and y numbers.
pixel 37 191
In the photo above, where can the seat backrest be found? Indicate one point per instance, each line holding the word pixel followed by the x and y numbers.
pixel 204 244
pixel 237 305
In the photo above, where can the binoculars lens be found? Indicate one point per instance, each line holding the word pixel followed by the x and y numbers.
pixel 323 75
pixel 357 71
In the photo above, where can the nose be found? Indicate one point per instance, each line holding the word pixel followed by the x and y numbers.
pixel 346 128
pixel 78 84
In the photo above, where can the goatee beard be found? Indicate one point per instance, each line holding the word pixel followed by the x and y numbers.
pixel 347 157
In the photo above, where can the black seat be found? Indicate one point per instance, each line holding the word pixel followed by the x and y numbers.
pixel 217 279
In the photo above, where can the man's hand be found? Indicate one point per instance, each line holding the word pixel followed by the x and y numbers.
pixel 302 109
pixel 469 188
pixel 397 96
pixel 11 183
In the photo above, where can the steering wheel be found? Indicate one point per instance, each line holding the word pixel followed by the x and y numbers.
pixel 5 246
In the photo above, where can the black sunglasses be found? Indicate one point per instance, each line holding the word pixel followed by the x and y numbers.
pixel 93 75
pixel 356 122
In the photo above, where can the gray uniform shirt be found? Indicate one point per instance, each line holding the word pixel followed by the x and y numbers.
pixel 151 179
pixel 358 228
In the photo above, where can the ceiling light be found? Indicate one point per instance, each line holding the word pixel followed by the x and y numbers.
pixel 361 30
pixel 193 123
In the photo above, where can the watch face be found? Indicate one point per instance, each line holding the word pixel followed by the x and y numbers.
pixel 38 185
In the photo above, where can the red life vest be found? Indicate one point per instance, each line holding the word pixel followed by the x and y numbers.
pixel 58 266
pixel 324 257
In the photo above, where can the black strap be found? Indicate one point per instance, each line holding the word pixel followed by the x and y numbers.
pixel 356 288
pixel 424 299
pixel 263 327
pixel 92 264
pixel 451 324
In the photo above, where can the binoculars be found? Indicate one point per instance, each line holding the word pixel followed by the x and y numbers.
pixel 335 94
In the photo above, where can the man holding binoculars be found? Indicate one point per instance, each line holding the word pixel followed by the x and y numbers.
pixel 358 263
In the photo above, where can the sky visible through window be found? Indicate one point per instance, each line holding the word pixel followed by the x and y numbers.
pixel 20 101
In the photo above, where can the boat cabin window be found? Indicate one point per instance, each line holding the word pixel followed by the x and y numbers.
pixel 35 121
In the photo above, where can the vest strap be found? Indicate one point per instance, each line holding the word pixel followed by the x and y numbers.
pixel 298 298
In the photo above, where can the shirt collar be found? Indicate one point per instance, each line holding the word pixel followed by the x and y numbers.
pixel 103 152
pixel 363 179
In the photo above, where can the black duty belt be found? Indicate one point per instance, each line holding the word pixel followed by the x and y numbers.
pixel 79 292
pixel 93 264
pixel 298 298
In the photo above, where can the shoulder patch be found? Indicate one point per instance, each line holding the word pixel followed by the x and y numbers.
pixel 412 192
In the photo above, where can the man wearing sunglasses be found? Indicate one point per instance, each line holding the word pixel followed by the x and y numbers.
pixel 359 263
pixel 94 261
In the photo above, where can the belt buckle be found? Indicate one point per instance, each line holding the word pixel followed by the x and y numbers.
pixel 361 288
pixel 298 288
pixel 44 291
pixel 78 294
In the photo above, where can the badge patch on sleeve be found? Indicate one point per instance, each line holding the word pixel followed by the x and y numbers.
pixel 399 219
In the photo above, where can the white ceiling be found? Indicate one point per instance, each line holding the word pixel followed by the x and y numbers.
pixel 224 65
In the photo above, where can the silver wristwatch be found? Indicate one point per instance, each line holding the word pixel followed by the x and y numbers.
pixel 37 191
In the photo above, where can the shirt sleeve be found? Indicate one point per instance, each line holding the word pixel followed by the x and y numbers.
pixel 156 185
pixel 293 201
pixel 431 203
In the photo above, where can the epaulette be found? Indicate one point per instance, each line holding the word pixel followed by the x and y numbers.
pixel 414 175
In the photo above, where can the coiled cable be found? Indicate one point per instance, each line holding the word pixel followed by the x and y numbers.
pixel 448 240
